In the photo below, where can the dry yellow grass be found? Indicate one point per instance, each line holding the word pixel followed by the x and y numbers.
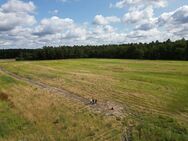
pixel 54 117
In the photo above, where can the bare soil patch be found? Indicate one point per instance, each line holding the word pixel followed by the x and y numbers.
pixel 3 96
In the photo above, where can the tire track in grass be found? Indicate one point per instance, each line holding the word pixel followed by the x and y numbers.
pixel 100 107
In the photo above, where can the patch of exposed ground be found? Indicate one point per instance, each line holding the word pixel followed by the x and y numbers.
pixel 5 97
pixel 109 109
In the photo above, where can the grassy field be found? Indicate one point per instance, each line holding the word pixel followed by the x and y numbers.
pixel 153 93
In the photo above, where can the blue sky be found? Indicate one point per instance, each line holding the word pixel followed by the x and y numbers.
pixel 35 23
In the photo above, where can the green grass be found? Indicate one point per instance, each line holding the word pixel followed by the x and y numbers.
pixel 6 81
pixel 155 92
pixel 159 128
pixel 12 124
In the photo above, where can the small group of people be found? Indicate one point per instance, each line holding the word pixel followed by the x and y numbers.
pixel 93 101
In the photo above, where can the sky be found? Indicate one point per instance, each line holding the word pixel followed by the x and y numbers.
pixel 38 23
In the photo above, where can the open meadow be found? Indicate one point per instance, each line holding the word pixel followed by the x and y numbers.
pixel 138 99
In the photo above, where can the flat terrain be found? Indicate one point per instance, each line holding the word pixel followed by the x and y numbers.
pixel 47 100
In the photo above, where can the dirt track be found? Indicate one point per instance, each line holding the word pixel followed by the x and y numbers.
pixel 101 107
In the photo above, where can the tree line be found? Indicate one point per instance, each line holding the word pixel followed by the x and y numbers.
pixel 168 50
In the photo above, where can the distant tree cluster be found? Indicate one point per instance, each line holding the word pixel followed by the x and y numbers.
pixel 168 50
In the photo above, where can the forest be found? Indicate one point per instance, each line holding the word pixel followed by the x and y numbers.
pixel 167 50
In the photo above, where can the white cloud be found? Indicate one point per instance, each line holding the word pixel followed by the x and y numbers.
pixel 53 25
pixel 175 22
pixel 11 20
pixel 15 17
pixel 16 13
pixel 101 20
pixel 177 17
pixel 56 31
pixel 145 26
pixel 137 15
pixel 143 35
pixel 18 6
pixel 124 3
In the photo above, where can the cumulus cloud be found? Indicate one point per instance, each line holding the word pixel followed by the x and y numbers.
pixel 56 31
pixel 16 13
pixel 175 22
pixel 143 35
pixel 137 15
pixel 16 19
pixel 76 33
pixel 124 3
pixel 18 6
pixel 53 25
pixel 101 20
pixel 145 26
pixel 11 20
pixel 177 17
